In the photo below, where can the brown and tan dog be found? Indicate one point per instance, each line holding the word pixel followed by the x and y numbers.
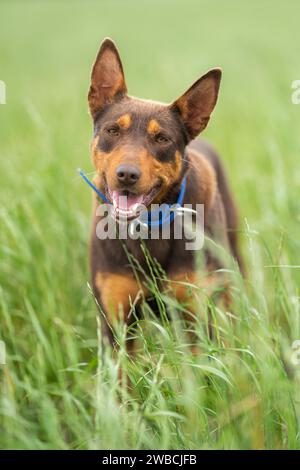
pixel 144 149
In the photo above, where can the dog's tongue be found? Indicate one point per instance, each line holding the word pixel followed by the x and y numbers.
pixel 126 203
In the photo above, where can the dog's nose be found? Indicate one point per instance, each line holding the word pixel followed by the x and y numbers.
pixel 128 174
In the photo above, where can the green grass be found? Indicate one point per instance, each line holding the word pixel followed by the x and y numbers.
pixel 59 389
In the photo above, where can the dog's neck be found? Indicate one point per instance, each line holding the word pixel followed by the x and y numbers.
pixel 172 194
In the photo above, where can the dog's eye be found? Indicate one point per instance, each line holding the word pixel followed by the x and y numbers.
pixel 161 139
pixel 113 130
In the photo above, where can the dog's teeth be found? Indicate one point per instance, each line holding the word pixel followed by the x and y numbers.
pixel 135 207
pixel 123 211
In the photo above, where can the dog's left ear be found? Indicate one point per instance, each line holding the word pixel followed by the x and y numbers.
pixel 107 79
pixel 196 105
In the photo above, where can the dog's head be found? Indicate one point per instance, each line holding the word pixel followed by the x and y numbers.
pixel 138 146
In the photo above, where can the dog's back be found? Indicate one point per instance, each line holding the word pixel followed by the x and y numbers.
pixel 201 147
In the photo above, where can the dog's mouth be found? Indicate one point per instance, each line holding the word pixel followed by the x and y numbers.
pixel 127 204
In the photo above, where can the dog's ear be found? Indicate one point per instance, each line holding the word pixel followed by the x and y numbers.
pixel 107 79
pixel 196 105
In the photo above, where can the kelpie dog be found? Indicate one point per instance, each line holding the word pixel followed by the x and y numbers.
pixel 144 150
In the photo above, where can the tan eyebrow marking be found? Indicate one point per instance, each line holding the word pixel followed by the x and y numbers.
pixel 125 121
pixel 153 127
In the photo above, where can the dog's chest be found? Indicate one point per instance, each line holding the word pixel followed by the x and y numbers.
pixel 149 251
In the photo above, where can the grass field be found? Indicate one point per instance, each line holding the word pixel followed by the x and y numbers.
pixel 59 388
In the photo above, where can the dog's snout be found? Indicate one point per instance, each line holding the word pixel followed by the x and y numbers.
pixel 128 174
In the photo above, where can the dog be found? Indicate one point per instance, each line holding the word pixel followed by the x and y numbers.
pixel 144 150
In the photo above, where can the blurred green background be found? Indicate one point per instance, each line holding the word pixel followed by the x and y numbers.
pixel 47 313
pixel 47 50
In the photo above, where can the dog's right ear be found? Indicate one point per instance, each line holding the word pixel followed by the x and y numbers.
pixel 107 79
pixel 196 105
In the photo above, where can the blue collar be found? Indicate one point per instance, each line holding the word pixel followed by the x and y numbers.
pixel 104 199
pixel 153 218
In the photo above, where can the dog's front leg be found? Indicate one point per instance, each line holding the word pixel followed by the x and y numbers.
pixel 182 285
pixel 117 294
